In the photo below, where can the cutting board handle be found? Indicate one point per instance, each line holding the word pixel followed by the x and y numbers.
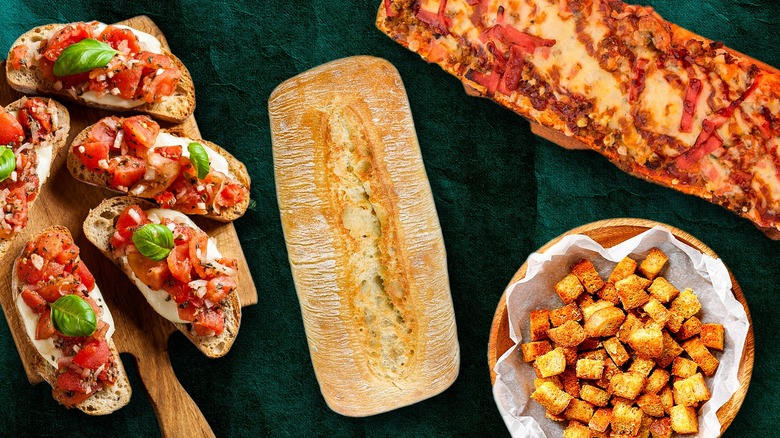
pixel 177 413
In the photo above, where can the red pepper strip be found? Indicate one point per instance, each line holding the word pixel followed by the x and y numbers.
pixel 479 11
pixel 689 104
pixel 638 82
pixel 439 22
pixel 508 36
pixel 490 81
pixel 514 70
pixel 693 155
pixel 388 10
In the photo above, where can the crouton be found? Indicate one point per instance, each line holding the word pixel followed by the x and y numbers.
pixel 579 410
pixel 623 269
pixel 661 428
pixel 671 350
pixel 690 328
pixel 590 344
pixel 626 420
pixel 651 405
pixel 577 430
pixel 552 363
pixel 684 419
pixel 540 323
pixel 571 355
pixel 584 300
pixel 588 276
pixel 646 342
pixel 652 264
pixel 590 369
pixel 701 355
pixel 555 380
pixel 590 309
pixel 569 334
pixel 642 365
pixel 683 367
pixel 630 324
pixel 569 288
pixel 604 322
pixel 532 350
pixel 552 398
pixel 657 379
pixel 627 385
pixel 569 312
pixel 594 395
pixel 571 384
pixel 608 293
pixel 686 304
pixel 599 354
pixel 610 371
pixel 667 398
pixel 662 290
pixel 691 391
pixel 713 336
pixel 616 350
pixel 656 310
pixel 675 321
pixel 600 420
pixel 631 291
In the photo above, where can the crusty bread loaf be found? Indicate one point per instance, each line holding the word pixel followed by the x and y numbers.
pixel 29 79
pixel 99 227
pixel 81 173
pixel 363 237
pixel 61 132
pixel 102 402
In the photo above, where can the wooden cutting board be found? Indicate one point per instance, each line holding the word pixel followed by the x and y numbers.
pixel 609 233
pixel 140 331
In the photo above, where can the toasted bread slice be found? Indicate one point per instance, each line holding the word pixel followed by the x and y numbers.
pixel 28 78
pixel 57 141
pixel 237 168
pixel 103 402
pixel 99 226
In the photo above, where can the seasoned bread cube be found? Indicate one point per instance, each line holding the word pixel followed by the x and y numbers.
pixel 648 343
pixel 555 380
pixel 616 350
pixel 571 384
pixel 569 312
pixel 600 420
pixel 684 419
pixel 656 310
pixel 588 276
pixel 652 264
pixel 667 398
pixel 701 355
pixel 675 321
pixel 577 430
pixel 594 395
pixel 608 293
pixel 657 380
pixel 540 323
pixel 671 350
pixel 682 367
pixel 691 327
pixel 590 344
pixel 630 324
pixel 554 417
pixel 570 334
pixel 713 336
pixel 571 355
pixel 569 288
pixel 691 391
pixel 584 300
pixel 590 369
pixel 631 291
pixel 552 398
pixel 532 350
pixel 604 322
pixel 589 309
pixel 579 410
pixel 663 290
pixel 626 420
pixel 600 354
pixel 610 371
pixel 661 428
pixel 642 365
pixel 552 363
pixel 623 269
pixel 686 304
pixel 651 405
pixel 627 385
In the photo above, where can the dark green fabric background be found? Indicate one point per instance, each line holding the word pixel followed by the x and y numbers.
pixel 500 193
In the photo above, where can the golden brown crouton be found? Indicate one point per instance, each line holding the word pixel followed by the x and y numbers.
pixel 691 327
pixel 667 398
pixel 532 350
pixel 663 290
pixel 675 321
pixel 588 276
pixel 569 312
pixel 626 420
pixel 623 269
pixel 554 417
pixel 661 428
pixel 683 367
pixel 590 309
pixel 651 405
pixel 608 293
pixel 577 430
pixel 569 334
pixel 604 322
pixel 552 363
pixel 627 385
pixel 649 343
pixel 540 323
pixel 691 391
pixel 652 264
pixel 571 355
pixel 701 355
pixel 590 344
pixel 600 420
pixel 610 371
pixel 571 384
pixel 642 365
pixel 552 398
pixel 616 350
pixel 579 410
pixel 684 419
pixel 629 325
pixel 657 380
pixel 569 288
pixel 631 291
pixel 656 310
pixel 590 369
pixel 555 380
pixel 713 336
pixel 686 304
pixel 671 350
pixel 584 300
pixel 594 395
pixel 599 354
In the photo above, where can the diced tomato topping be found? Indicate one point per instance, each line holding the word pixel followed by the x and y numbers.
pixel 45 328
pixel 197 246
pixel 131 218
pixel 11 131
pixel 126 80
pixel 35 118
pixel 220 287
pixel 125 170
pixel 34 301
pixel 68 254
pixel 93 354
pixel 179 263
pixel 232 194
pixel 16 59
pixel 72 33
pixel 165 199
pixel 69 398
pixel 120 39
pixel 27 271
pixel 92 154
pixel 187 311
pixel 155 86
pixel 150 272
pixel 170 152
pixel 209 322
pixel 59 286
pixel 70 381
pixel 140 133
pixel 180 292
pixel 166 170
pixel 83 274
pixel 49 245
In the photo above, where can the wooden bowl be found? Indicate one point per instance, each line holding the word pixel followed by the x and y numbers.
pixel 609 233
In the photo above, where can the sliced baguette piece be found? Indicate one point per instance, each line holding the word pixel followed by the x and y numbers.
pixel 99 226
pixel 102 402
pixel 81 173
pixel 30 80
pixel 363 237
pixel 58 141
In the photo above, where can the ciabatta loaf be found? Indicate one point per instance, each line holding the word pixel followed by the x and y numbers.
pixel 363 237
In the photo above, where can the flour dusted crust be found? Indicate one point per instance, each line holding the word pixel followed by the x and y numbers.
pixel 660 102
pixel 363 237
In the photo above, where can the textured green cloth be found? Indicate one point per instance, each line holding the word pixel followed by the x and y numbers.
pixel 500 194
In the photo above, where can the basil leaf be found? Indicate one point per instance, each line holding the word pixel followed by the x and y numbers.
pixel 200 159
pixel 7 162
pixel 154 241
pixel 83 56
pixel 73 316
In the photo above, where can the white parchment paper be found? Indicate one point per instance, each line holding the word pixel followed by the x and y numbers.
pixel 686 268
